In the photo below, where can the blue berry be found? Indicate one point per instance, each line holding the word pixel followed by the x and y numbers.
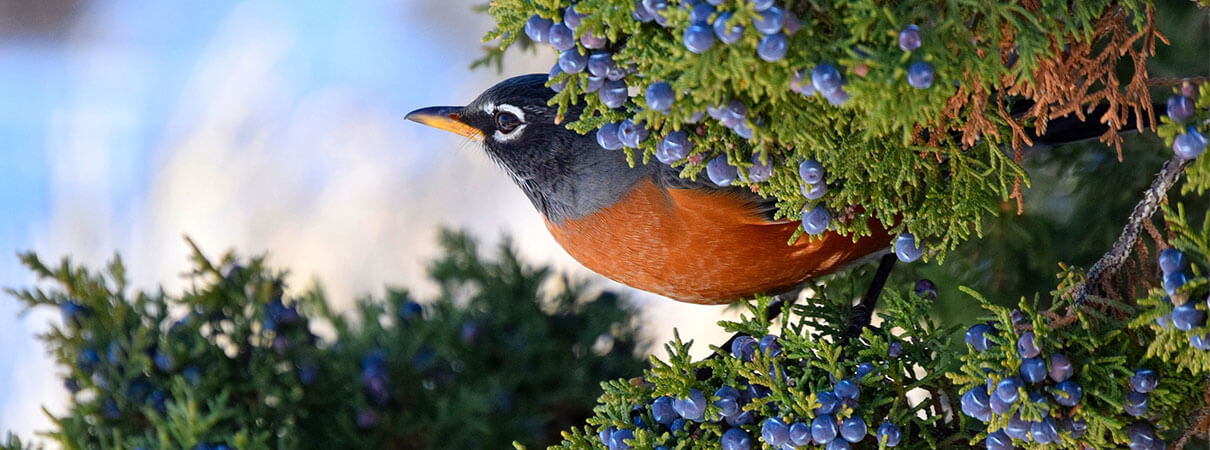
pixel 600 63
pixel 1186 317
pixel 1144 380
pixel 838 444
pixel 662 410
pixel 698 38
pixel 1180 108
pixel 593 84
pixel 1044 431
pixel 572 61
pixel 192 374
pixel 909 38
pixel 743 130
pixel 837 97
pixel 743 418
pixel 660 96
pixel 816 221
pixel 976 403
pixel 641 13
pixel 800 85
pixel 728 401
pixel 1017 428
pixel 864 369
pixel 823 429
pixel 800 434
pixel 727 34
pixel 656 8
pixel 847 389
pixel 976 337
pixel 1136 404
pixel 163 361
pixel 89 359
pixel 926 289
pixel 907 249
pixel 554 72
pixel 571 18
pixel 775 432
pixel 1200 341
pixel 773 47
pixel 1027 346
pixel 999 441
pixel 889 434
pixel 109 409
pixel 678 425
pixel 1077 427
pixel 811 171
pixel 692 407
pixel 676 146
pixel 826 78
pixel 1190 144
pixel 769 345
pixel 308 373
pixel 1060 368
pixel 561 37
pixel 828 402
pixel 1173 281
pixel 920 75
pixel 607 137
pixel 73 313
pixel 1033 370
pixel 1171 260
pixel 592 40
pixel 613 93
pixel 770 20
pixel 632 134
pixel 700 14
pixel 617 440
pixel 1142 437
pixel 1068 393
pixel 761 5
pixel 1008 389
pixel 743 347
pixel 734 113
pixel 720 171
pixel 792 24
pixel 760 171
pixel 736 439
pixel 538 29
pixel 72 385
pixel 853 429
pixel 894 350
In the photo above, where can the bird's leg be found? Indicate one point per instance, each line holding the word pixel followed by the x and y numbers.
pixel 771 312
pixel 865 309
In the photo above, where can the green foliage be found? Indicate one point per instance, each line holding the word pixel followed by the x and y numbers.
pixel 234 360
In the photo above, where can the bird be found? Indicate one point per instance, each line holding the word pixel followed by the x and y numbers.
pixel 643 226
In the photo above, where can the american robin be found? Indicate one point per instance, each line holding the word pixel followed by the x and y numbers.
pixel 645 227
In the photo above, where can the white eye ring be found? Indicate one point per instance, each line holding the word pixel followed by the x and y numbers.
pixel 512 134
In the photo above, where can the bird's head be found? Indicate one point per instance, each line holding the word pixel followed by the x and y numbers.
pixel 565 174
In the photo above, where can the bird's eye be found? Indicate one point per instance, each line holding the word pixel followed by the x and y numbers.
pixel 506 122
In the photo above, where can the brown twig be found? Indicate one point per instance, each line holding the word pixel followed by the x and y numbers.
pixel 1109 264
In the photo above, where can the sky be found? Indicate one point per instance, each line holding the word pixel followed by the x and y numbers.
pixel 264 126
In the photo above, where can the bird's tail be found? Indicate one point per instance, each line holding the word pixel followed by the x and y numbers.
pixel 1071 128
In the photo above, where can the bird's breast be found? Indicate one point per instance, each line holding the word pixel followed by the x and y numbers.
pixel 702 247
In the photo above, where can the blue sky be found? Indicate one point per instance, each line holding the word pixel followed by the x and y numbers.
pixel 265 126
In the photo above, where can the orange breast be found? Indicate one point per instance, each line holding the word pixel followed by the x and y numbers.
pixel 702 247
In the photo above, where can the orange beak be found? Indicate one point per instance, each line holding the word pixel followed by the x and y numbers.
pixel 446 118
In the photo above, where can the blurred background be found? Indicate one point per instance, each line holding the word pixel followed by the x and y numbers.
pixel 264 126
pixel 277 126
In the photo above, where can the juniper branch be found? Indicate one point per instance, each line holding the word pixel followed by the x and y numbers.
pixel 1155 194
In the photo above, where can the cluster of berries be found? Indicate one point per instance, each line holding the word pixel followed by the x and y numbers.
pixel 1022 397
pixel 1142 434
pixel 706 24
pixel 1185 316
pixel 833 423
pixel 1191 143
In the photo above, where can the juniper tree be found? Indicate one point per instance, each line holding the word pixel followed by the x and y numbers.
pixel 925 116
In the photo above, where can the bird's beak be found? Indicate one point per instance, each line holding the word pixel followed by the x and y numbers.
pixel 448 118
